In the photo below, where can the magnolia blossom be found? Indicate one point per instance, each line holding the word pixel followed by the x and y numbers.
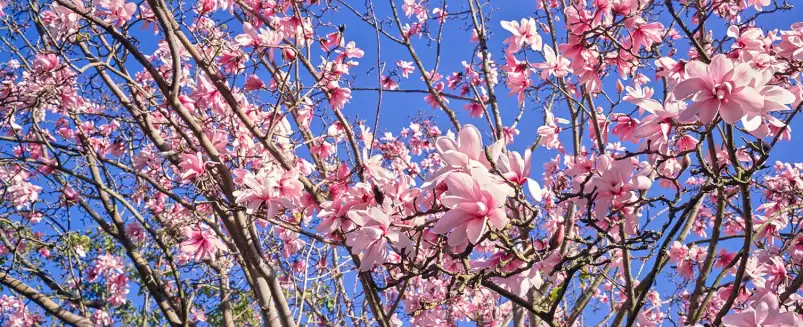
pixel 720 87
pixel 264 188
pixel 258 38
pixel 372 236
pixel 23 194
pixel 555 64
pixel 338 96
pixel 524 33
pixel 462 155
pixel 117 10
pixel 615 185
pixel 192 166
pixel 201 244
pixel 406 68
pixel 474 200
pixel 765 311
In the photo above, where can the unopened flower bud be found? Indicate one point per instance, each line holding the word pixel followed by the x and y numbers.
pixel 686 162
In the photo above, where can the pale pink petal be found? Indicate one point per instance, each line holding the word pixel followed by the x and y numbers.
pixel 749 99
pixel 719 67
pixel 475 228
pixel 689 87
pixel 469 141
pixel 449 221
pixel 696 69
pixel 730 112
pixel 462 185
pixel 535 189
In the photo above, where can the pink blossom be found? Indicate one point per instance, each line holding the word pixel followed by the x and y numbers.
pixel 524 33
pixel 759 4
pixel 549 132
pixel 201 244
pixel 23 194
pixel 642 97
pixel 475 109
pixel 352 51
pixel 389 84
pixel 198 315
pixel 472 205
pixel 117 10
pixel 643 33
pixel 720 87
pixel 555 64
pixel 338 96
pixel 518 84
pixel 332 41
pixel 625 127
pixel 406 68
pixel 263 188
pixel 258 38
pixel 514 167
pixel 758 121
pixel 764 312
pixel 253 83
pixel 615 183
pixel 192 166
pixel 372 236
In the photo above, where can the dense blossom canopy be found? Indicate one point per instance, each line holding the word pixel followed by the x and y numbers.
pixel 400 163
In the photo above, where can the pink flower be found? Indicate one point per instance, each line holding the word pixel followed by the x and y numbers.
pixel 258 38
pixel 23 194
pixel 352 51
pixel 338 96
pixel 253 83
pixel 721 87
pixel 198 315
pixel 475 109
pixel 758 121
pixel 625 127
pixel 192 166
pixel 645 34
pixel 555 64
pixel 333 214
pixel 474 200
pixel 406 68
pixel 233 62
pixel 291 243
pixel 642 97
pixel 678 252
pixel 668 67
pixel 388 83
pixel 515 167
pixel 332 41
pixel 615 183
pixel 549 133
pixel 372 236
pixel 686 143
pixel 322 148
pixel 524 33
pixel 518 84
pixel 461 155
pixel 201 244
pixel 263 188
pixel 117 10
pixel 432 100
pixel 759 4
pixel 764 312
pixel 656 127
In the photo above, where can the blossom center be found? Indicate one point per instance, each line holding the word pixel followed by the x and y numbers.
pixel 721 91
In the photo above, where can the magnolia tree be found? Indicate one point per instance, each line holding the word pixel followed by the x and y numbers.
pixel 257 163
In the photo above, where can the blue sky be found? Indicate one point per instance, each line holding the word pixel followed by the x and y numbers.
pixel 398 108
